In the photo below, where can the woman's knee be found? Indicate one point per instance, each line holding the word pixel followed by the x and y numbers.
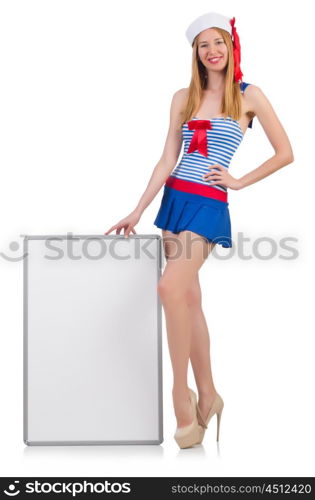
pixel 169 289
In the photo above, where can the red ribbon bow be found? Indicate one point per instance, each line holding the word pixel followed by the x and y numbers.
pixel 236 52
pixel 199 139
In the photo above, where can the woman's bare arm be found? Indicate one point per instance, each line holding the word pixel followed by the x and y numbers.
pixel 163 168
pixel 169 156
pixel 275 132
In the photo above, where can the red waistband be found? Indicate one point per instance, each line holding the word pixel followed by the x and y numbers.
pixel 195 188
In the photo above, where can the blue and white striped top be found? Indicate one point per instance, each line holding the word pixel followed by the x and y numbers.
pixel 223 139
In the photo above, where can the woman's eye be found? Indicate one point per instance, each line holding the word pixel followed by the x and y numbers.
pixel 203 46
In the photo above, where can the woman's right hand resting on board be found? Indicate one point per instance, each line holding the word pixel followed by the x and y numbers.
pixel 127 224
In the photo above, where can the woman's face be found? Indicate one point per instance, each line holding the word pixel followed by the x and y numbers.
pixel 212 50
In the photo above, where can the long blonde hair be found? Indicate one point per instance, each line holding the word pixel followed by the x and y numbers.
pixel 231 102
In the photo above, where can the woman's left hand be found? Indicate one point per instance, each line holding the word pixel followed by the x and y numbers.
pixel 222 177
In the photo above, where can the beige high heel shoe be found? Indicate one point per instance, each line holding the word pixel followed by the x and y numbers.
pixel 216 408
pixel 189 435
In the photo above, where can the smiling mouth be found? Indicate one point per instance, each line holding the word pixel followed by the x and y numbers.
pixel 214 59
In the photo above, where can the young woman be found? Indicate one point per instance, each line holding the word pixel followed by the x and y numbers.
pixel 211 117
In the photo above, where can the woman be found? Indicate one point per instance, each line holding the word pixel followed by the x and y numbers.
pixel 211 117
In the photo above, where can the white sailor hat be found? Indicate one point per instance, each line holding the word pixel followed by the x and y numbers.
pixel 209 20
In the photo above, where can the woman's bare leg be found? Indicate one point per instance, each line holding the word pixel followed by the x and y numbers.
pixel 200 349
pixel 186 253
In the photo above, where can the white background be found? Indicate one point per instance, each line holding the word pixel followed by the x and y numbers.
pixel 85 92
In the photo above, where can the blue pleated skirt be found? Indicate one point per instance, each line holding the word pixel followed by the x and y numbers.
pixel 209 217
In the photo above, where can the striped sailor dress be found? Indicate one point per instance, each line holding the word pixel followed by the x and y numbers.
pixel 189 202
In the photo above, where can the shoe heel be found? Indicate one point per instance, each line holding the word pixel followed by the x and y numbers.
pixel 218 422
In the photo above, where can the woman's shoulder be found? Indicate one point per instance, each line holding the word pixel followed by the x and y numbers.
pixel 181 94
pixel 250 88
pixel 179 100
pixel 253 96
pixel 250 91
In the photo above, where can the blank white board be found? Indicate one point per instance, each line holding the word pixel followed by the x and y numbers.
pixel 92 340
